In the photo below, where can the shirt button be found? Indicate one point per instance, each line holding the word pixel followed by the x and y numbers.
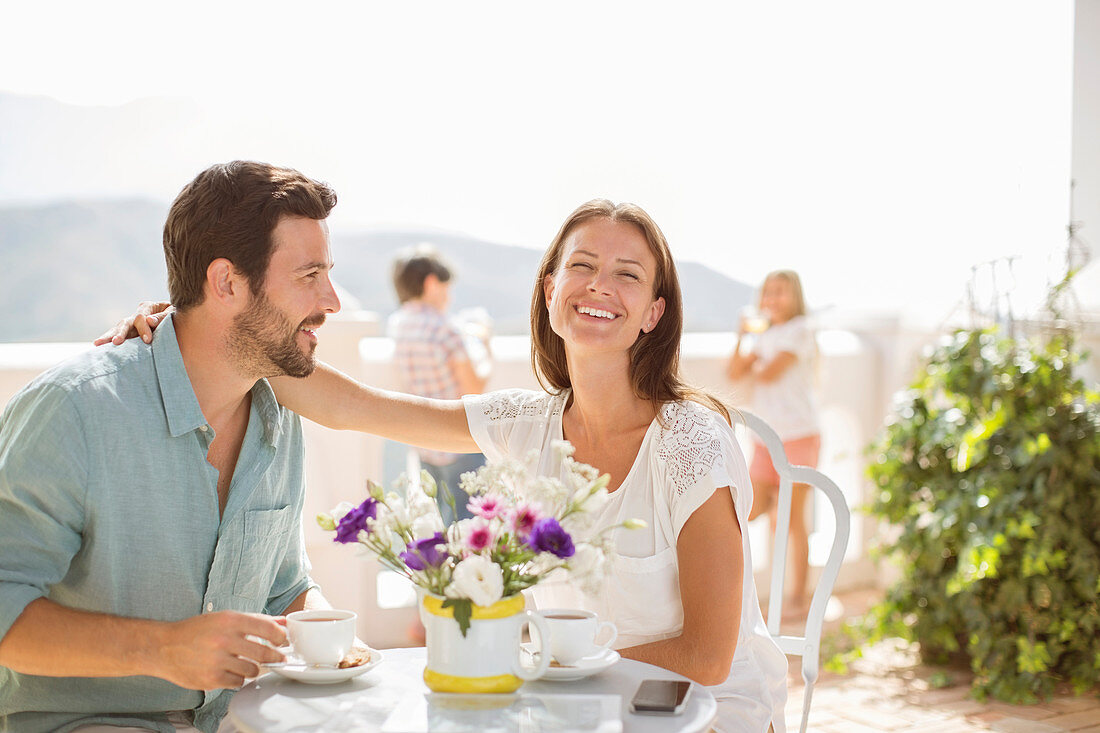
pixel 209 607
pixel 203 428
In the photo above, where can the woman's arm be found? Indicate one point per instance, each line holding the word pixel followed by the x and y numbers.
pixel 333 399
pixel 337 401
pixel 711 563
pixel 149 315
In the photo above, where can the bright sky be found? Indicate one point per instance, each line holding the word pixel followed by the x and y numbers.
pixel 880 147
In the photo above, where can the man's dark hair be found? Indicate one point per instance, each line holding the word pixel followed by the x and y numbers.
pixel 229 211
pixel 413 265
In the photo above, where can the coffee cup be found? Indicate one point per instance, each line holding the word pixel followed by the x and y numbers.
pixel 573 634
pixel 321 636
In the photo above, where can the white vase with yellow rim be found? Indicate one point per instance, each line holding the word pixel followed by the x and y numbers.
pixel 488 657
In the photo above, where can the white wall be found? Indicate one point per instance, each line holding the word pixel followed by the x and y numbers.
pixel 1086 121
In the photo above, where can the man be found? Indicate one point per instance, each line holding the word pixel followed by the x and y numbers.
pixel 150 494
pixel 433 361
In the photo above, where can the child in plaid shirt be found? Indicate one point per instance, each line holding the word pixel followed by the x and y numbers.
pixel 432 359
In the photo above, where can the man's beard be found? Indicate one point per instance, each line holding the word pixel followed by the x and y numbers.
pixel 263 343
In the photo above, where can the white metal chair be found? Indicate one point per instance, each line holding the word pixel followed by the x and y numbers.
pixel 807 646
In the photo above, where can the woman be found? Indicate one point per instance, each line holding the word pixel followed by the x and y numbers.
pixel 606 321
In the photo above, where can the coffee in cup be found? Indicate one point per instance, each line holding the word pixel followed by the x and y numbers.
pixel 573 634
pixel 322 636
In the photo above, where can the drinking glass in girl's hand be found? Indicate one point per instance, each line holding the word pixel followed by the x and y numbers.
pixel 753 320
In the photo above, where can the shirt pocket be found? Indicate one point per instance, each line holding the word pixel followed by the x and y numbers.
pixel 645 593
pixel 266 536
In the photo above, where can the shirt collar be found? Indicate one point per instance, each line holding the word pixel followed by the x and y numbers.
pixel 181 406
pixel 267 407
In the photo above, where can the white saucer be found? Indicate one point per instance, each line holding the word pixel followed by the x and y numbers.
pixel 582 668
pixel 299 671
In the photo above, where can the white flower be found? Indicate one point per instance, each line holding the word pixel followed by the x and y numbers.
pixel 543 564
pixel 478 579
pixel 590 498
pixel 563 448
pixel 426 525
pixel 419 503
pixel 381 533
pixel 469 476
pixel 340 510
pixel 586 568
pixel 383 520
pixel 549 492
pixel 397 506
pixel 579 524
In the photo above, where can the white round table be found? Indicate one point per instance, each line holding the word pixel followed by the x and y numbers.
pixel 392 698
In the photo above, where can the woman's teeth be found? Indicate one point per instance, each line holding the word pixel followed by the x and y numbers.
pixel 595 312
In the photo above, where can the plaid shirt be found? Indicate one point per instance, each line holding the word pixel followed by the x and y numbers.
pixel 424 342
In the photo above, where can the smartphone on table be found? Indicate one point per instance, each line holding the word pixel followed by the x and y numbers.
pixel 661 697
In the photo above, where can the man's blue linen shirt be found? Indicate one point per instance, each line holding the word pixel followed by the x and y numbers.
pixel 107 504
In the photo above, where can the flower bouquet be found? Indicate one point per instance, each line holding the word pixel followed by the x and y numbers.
pixel 524 527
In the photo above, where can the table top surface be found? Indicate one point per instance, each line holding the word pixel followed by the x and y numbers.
pixel 392 698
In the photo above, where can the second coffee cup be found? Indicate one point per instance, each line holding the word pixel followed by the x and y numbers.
pixel 573 634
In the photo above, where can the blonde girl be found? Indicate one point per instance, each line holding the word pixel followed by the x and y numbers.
pixel 778 366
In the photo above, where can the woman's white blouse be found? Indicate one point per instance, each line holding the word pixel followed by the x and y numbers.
pixel 685 456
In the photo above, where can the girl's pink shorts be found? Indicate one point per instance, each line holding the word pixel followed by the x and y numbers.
pixel 800 452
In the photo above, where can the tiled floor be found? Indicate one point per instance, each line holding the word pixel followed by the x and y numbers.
pixel 889 690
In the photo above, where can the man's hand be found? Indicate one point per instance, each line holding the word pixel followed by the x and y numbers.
pixel 148 316
pixel 213 651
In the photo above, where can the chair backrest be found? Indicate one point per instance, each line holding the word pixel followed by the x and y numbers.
pixel 807 646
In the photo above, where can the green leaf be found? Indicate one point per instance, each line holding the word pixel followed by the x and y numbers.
pixel 463 612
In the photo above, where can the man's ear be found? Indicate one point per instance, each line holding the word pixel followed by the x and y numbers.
pixel 430 285
pixel 223 282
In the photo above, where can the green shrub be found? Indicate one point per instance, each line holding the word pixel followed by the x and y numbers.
pixel 990 469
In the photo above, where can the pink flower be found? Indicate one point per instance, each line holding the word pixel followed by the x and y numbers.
pixel 480 536
pixel 523 519
pixel 487 506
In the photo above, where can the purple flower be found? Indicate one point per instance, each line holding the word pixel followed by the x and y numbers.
pixel 424 553
pixel 548 536
pixel 355 521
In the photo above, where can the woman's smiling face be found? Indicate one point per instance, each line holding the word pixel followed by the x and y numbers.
pixel 601 294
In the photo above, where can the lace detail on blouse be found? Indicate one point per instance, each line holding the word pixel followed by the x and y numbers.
pixel 515 403
pixel 688 445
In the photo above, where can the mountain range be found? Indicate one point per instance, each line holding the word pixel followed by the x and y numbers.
pixel 70 269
